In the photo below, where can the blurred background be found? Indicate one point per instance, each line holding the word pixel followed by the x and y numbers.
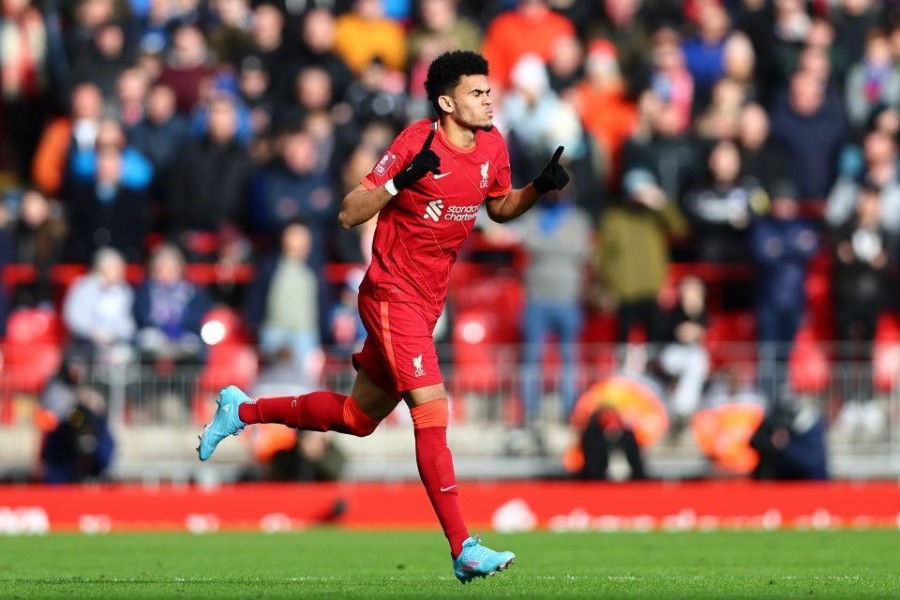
pixel 715 295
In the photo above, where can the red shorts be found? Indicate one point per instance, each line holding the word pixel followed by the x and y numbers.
pixel 398 353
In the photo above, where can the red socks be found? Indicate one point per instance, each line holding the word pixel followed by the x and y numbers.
pixel 326 411
pixel 318 411
pixel 436 469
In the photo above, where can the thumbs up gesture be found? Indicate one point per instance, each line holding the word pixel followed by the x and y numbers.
pixel 553 177
pixel 423 163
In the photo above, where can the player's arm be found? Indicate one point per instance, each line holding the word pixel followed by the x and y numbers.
pixel 361 204
pixel 517 202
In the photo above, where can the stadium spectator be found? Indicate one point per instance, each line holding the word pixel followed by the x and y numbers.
pixel 763 158
pixel 566 66
pixel 627 24
pixel 633 252
pixel 98 311
pixel 605 109
pixel 234 256
pixel 105 212
pixel 296 185
pixel 873 82
pixel 557 236
pixel 739 64
pixel 605 434
pixel 853 20
pixel 684 356
pixel 722 117
pixel 25 86
pixel 812 127
pixel 39 240
pixel 108 57
pixel 254 85
pixel 720 212
pixel 267 41
pixel 232 31
pixel 365 34
pixel 311 90
pixel 704 51
pixel 786 36
pixel 782 244
pixel 81 447
pixel 132 87
pixel 333 142
pixel 831 57
pixel 659 147
pixel 283 302
pixel 186 66
pixel 505 44
pixel 537 119
pixel 209 188
pixel 318 44
pixel 168 310
pixel 347 331
pixel 864 253
pixel 881 171
pixel 160 136
pixel 137 171
pixel 66 135
pixel 379 94
pixel 60 394
pixel 791 443
pixel 670 80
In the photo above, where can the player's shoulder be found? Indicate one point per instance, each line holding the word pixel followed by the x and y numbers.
pixel 492 138
pixel 418 130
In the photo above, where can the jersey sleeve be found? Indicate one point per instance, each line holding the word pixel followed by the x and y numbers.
pixel 502 183
pixel 395 159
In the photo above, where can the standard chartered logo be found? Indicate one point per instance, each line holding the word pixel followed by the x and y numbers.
pixel 434 210
pixel 461 213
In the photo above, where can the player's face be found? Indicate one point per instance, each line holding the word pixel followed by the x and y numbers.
pixel 472 103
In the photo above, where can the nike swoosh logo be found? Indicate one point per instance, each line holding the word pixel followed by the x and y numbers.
pixel 448 488
pixel 440 175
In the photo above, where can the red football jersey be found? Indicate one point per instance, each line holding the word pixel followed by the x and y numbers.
pixel 421 230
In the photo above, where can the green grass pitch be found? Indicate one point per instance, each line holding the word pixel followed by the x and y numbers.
pixel 340 564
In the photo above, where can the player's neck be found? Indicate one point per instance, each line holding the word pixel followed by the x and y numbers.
pixel 456 134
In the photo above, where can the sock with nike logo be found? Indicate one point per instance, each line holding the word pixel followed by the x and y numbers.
pixel 436 469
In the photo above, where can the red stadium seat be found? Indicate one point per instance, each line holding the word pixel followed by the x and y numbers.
pixel 886 353
pixel 808 364
pixel 224 326
pixel 27 325
pixel 475 360
pixel 26 369
pixel 731 337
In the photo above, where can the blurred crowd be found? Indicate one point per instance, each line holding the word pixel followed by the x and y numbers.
pixel 747 133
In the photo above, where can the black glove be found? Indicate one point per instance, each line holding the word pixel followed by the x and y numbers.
pixel 421 165
pixel 553 177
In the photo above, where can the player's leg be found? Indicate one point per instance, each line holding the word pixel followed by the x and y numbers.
pixel 357 414
pixel 430 415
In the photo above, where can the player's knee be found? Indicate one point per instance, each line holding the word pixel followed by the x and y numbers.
pixel 364 429
pixel 357 422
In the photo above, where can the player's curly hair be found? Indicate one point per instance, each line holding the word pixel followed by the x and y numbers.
pixel 445 71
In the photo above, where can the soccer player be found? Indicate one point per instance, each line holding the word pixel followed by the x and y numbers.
pixel 426 191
